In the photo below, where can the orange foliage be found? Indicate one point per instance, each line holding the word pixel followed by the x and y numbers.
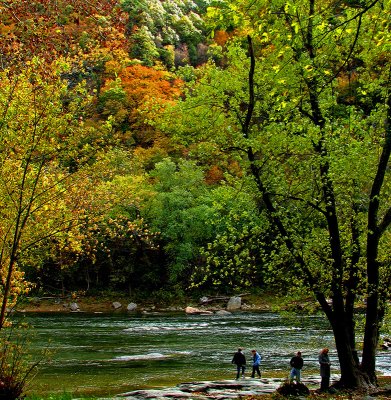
pixel 347 85
pixel 143 83
pixel 346 80
pixel 147 91
pixel 221 37
pixel 235 169
pixel 49 29
pixel 214 175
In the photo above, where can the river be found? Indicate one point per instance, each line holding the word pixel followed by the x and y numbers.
pixel 107 354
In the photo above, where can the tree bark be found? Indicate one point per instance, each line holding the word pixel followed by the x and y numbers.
pixel 375 230
pixel 351 376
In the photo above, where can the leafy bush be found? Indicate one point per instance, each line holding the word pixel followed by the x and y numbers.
pixel 293 389
pixel 15 363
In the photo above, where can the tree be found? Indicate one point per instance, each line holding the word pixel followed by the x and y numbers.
pixel 308 114
pixel 136 98
pixel 180 210
pixel 44 146
pixel 53 29
pixel 155 24
pixel 232 258
pixel 143 46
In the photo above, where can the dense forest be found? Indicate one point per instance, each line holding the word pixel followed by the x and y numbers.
pixel 164 147
pixel 134 206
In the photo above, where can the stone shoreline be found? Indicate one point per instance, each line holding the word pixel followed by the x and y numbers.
pixel 105 306
pixel 240 389
pixel 218 390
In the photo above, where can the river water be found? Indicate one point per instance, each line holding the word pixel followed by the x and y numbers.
pixel 107 354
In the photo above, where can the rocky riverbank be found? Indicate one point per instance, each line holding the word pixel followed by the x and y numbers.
pixel 221 390
pixel 248 388
pixel 97 305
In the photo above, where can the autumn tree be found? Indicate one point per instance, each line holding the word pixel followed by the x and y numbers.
pixel 120 250
pixel 44 146
pixel 56 29
pixel 135 99
pixel 305 105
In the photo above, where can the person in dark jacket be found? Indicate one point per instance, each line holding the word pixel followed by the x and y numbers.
pixel 240 361
pixel 324 363
pixel 297 364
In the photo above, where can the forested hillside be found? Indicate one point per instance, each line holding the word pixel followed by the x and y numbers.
pixel 158 148
pixel 119 204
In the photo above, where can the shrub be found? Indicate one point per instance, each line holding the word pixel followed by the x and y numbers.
pixel 15 364
pixel 293 389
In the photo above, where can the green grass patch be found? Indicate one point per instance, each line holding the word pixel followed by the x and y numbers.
pixel 63 396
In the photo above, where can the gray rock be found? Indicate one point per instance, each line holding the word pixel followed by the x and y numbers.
pixel 234 303
pixel 163 394
pixel 74 307
pixel 131 307
pixel 217 390
pixel 116 305
pixel 223 312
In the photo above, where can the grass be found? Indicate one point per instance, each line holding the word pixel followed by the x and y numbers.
pixel 63 396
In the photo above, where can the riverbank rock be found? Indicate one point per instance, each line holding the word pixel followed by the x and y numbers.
pixel 223 312
pixel 234 303
pixel 74 307
pixel 194 310
pixel 219 390
pixel 116 305
pixel 386 345
pixel 131 307
pixel 204 300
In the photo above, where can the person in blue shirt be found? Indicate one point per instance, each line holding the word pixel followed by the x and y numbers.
pixel 256 363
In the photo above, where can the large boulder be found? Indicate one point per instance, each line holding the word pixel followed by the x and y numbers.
pixel 234 303
pixel 116 305
pixel 74 307
pixel 131 307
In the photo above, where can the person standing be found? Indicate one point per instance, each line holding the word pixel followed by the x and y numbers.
pixel 256 363
pixel 297 364
pixel 324 362
pixel 240 360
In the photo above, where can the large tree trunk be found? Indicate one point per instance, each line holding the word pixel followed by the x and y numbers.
pixel 351 375
pixel 371 332
pixel 375 229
